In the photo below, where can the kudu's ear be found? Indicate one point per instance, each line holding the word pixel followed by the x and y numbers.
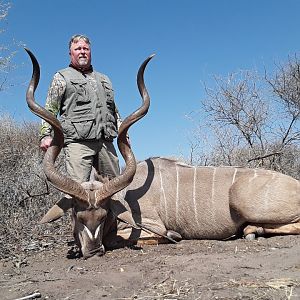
pixel 57 210
pixel 121 212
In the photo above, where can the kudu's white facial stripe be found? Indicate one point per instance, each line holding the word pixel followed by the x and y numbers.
pixel 97 231
pixel 90 235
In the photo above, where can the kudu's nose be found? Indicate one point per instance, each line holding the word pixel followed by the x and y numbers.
pixel 95 251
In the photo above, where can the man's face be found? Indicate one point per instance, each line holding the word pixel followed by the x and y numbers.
pixel 80 54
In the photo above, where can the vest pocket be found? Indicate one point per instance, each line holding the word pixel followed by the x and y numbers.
pixel 111 129
pixel 84 129
pixel 79 128
pixel 109 92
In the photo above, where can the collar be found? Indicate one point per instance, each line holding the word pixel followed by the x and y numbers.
pixel 82 71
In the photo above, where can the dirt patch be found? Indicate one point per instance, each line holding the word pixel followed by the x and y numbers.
pixel 238 269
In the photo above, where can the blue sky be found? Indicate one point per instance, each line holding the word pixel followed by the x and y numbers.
pixel 192 39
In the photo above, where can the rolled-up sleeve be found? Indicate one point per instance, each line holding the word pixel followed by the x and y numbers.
pixel 53 101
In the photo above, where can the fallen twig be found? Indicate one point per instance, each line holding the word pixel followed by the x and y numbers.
pixel 32 296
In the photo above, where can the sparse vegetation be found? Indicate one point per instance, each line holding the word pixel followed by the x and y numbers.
pixel 251 120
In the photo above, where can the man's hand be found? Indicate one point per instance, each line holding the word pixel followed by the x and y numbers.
pixel 45 143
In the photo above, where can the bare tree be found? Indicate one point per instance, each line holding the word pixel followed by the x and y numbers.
pixel 286 86
pixel 253 120
pixel 6 52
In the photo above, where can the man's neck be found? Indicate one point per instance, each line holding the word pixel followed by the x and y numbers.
pixel 83 70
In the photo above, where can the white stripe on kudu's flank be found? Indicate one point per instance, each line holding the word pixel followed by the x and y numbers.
pixel 163 191
pixel 194 195
pixel 234 175
pixel 254 175
pixel 213 205
pixel 213 184
pixel 177 193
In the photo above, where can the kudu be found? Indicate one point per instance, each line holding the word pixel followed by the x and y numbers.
pixel 160 200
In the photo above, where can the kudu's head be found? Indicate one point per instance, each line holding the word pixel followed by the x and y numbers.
pixel 90 201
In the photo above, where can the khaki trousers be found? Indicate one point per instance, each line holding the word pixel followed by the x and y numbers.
pixel 82 156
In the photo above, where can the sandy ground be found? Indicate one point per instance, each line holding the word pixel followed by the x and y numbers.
pixel 268 268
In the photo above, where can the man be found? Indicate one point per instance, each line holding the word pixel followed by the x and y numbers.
pixel 84 99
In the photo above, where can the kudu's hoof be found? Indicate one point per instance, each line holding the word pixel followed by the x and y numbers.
pixel 250 237
pixel 174 235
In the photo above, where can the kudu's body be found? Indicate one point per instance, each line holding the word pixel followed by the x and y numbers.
pixel 163 199
pixel 209 202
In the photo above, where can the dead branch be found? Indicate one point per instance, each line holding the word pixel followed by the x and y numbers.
pixel 30 196
pixel 32 296
pixel 264 156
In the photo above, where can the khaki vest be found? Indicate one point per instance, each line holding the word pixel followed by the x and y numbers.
pixel 87 114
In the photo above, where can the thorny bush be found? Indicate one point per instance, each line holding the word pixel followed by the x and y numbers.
pixel 24 191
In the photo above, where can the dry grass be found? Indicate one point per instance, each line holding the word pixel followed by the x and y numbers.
pixel 24 191
pixel 282 288
pixel 168 289
pixel 172 289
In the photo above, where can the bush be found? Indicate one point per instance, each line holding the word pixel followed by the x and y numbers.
pixel 24 191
